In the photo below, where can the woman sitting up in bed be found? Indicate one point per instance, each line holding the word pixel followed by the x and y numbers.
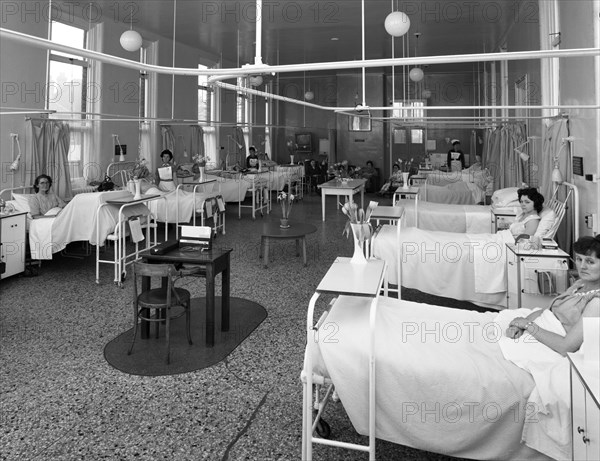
pixel 580 300
pixel 527 222
pixel 44 200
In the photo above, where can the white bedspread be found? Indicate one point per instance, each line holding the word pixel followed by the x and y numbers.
pixel 443 263
pixel 442 384
pixel 184 203
pixel 447 217
pixel 550 431
pixel 464 187
pixel 78 222
pixel 232 189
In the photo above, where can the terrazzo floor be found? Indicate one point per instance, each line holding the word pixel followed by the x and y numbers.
pixel 60 399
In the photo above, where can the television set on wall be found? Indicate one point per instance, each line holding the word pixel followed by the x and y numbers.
pixel 304 142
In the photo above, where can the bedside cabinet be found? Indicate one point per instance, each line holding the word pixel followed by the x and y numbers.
pixel 12 248
pixel 585 408
pixel 502 218
pixel 534 277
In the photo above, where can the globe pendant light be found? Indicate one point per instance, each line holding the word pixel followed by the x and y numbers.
pixel 256 80
pixel 309 95
pixel 130 39
pixel 397 23
pixel 416 74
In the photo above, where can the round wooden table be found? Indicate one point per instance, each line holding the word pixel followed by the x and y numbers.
pixel 297 231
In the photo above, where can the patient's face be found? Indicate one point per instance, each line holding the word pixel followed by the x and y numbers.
pixel 588 267
pixel 43 185
pixel 526 204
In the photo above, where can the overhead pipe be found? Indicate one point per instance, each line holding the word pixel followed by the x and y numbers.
pixel 258 46
pixel 371 63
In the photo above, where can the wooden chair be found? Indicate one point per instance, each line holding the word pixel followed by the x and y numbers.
pixel 162 300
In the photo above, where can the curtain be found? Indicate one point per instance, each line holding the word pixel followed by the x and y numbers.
pixel 473 148
pixel 238 137
pixel 47 152
pixel 553 146
pixel 146 144
pixel 168 138
pixel 504 163
pixel 197 141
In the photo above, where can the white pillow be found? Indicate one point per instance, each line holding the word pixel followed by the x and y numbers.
pixel 23 202
pixel 546 227
pixel 505 197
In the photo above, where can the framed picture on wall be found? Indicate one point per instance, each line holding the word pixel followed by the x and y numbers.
pixel 359 123
pixel 399 136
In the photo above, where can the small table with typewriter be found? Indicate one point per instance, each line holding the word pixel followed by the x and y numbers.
pixel 211 261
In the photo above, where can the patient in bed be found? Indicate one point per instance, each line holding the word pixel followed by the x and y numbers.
pixel 45 203
pixel 581 300
pixel 527 222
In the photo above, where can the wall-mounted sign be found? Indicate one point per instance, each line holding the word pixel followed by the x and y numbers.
pixel 578 166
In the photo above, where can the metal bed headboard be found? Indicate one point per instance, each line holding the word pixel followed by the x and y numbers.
pixel 6 194
pixel 119 171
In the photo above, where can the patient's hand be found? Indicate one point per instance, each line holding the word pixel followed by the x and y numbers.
pixel 514 332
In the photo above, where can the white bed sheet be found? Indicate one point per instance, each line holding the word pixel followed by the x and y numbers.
pixel 78 222
pixel 232 189
pixel 184 202
pixel 443 263
pixel 465 187
pixel 442 383
pixel 447 217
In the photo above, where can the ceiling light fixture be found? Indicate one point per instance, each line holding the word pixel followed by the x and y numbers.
pixel 130 39
pixel 397 23
pixel 416 73
pixel 256 80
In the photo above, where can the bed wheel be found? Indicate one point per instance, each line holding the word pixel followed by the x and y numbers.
pixel 323 430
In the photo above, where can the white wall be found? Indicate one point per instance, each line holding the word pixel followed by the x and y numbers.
pixel 579 85
pixel 22 81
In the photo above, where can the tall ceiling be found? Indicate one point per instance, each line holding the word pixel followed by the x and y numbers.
pixel 303 31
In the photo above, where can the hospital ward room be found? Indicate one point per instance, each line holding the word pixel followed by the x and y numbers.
pixel 353 230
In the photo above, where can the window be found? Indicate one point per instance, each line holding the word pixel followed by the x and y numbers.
pixel 409 109
pixel 359 123
pixel 67 85
pixel 207 112
pixel 204 97
pixel 416 136
pixel 240 112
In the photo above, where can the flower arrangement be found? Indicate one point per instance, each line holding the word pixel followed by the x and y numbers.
pixel 291 146
pixel 286 201
pixel 200 160
pixel 358 220
pixel 140 169
pixel 405 166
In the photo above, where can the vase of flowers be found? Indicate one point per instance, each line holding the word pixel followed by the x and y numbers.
pixel 292 147
pixel 199 166
pixel 286 200
pixel 140 169
pixel 405 169
pixel 358 222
